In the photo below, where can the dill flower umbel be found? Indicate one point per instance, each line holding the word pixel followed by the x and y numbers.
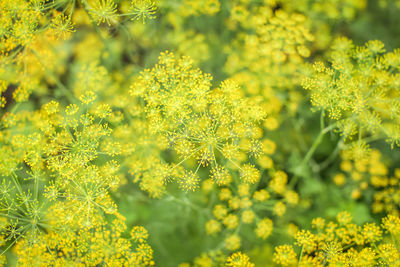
pixel 285 255
pixel 103 11
pixel 358 89
pixel 200 123
pixel 239 259
pixel 143 9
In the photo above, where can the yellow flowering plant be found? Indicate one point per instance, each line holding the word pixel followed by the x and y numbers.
pixel 201 133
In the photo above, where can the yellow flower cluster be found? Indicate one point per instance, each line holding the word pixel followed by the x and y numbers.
pixel 243 207
pixel 87 246
pixel 239 259
pixel 267 58
pixel 343 243
pixel 198 7
pixel 359 89
pixel 216 127
pixel 29 36
pixel 55 183
pixel 370 173
pixel 323 13
pixel 106 11
pixel 217 258
pixel 331 9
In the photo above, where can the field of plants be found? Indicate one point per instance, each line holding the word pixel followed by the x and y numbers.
pixel 199 133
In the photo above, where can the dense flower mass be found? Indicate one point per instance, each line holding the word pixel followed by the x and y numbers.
pixel 199 133
pixel 360 89
pixel 343 243
pixel 210 126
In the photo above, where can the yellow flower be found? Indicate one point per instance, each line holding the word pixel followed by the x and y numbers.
pixel 307 240
pixel 103 11
pixel 264 228
pixel 250 174
pixel 391 224
pixel 139 234
pixel 213 227
pixel 285 255
pixel 233 242
pixel 143 9
pixel 239 259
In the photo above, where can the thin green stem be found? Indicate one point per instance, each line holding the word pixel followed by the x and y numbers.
pixel 301 255
pixel 331 157
pixel 187 202
pixel 316 143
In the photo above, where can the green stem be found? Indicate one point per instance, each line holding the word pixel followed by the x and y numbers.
pixel 186 202
pixel 331 157
pixel 301 255
pixel 316 143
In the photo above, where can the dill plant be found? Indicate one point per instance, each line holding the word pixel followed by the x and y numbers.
pixel 185 133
